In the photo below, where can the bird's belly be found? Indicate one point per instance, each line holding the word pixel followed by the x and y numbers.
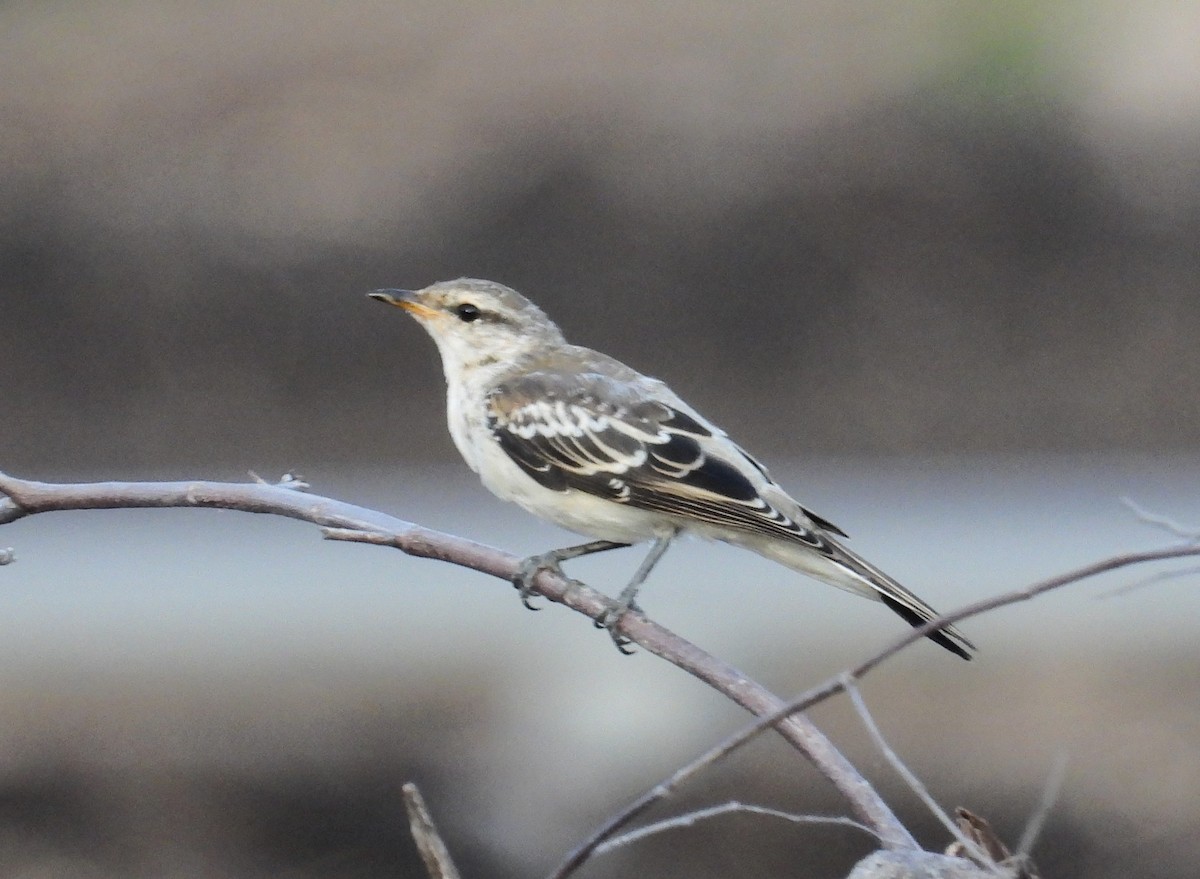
pixel 574 510
pixel 592 516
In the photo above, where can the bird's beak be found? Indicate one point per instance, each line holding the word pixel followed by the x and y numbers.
pixel 405 299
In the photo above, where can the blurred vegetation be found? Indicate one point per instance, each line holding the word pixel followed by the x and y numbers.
pixel 918 228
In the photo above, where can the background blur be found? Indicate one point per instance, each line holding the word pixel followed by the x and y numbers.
pixel 936 262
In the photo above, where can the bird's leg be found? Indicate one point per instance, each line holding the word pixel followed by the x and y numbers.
pixel 552 561
pixel 625 601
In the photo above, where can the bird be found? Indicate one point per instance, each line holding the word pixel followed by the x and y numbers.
pixel 581 440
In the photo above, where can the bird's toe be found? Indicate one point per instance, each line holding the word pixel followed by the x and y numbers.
pixel 610 619
pixel 527 572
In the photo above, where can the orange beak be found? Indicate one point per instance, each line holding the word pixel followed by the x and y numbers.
pixel 405 299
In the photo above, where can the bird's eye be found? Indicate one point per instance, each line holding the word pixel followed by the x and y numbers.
pixel 468 312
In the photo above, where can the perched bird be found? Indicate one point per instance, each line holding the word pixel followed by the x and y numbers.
pixel 590 444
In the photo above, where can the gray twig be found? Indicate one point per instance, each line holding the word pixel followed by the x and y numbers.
pixel 733 806
pixel 1050 792
pixel 1148 581
pixel 1187 532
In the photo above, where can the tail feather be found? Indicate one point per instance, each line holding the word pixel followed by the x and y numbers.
pixel 912 609
pixel 949 637
pixel 840 567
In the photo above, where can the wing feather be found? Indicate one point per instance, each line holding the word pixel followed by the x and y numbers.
pixel 591 434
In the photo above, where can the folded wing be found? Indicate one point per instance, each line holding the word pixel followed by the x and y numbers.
pixel 592 434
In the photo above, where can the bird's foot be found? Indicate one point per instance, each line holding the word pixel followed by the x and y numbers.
pixel 527 572
pixel 609 620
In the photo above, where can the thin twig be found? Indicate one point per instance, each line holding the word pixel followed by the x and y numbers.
pixel 1146 582
pixel 733 806
pixel 660 791
pixel 914 783
pixel 433 850
pixel 1188 533
pixel 340 520
pixel 1050 791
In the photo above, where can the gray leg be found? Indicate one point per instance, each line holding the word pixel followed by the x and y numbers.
pixel 625 601
pixel 552 561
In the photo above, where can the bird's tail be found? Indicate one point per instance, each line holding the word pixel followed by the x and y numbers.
pixel 840 567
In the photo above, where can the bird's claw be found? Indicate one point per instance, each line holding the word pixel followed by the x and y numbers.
pixel 527 572
pixel 609 620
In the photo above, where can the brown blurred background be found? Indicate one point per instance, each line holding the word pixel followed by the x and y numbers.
pixel 938 260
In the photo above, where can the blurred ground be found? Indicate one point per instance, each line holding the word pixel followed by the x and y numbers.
pixel 264 775
pixel 936 262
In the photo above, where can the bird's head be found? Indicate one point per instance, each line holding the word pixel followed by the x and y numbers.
pixel 476 324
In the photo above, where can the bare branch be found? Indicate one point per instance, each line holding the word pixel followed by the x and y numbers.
pixel 343 521
pixel 354 535
pixel 731 807
pixel 835 685
pixel 28 498
pixel 429 842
